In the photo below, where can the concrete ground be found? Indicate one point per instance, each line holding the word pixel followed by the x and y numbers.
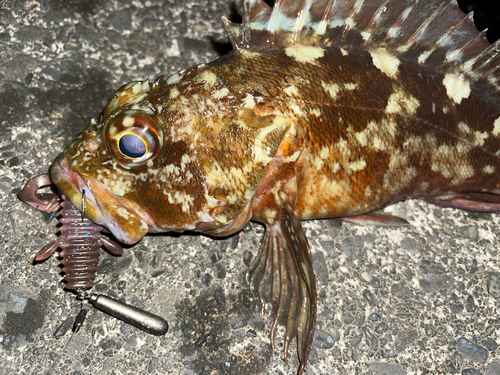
pixel 416 300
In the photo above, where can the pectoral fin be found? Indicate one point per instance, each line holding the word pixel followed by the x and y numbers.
pixel 282 275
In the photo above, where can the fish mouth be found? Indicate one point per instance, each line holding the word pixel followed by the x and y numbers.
pixel 101 206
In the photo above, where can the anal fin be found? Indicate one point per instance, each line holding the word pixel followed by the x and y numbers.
pixel 282 275
pixel 376 218
pixel 480 202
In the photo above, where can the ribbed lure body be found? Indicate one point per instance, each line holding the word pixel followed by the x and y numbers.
pixel 80 239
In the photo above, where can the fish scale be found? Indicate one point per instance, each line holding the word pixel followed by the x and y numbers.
pixel 326 108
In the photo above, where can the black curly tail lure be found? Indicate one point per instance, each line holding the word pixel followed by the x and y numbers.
pixel 80 241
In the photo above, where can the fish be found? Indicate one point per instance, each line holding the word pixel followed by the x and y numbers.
pixel 323 109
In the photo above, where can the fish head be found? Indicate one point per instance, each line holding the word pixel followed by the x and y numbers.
pixel 108 161
pixel 156 162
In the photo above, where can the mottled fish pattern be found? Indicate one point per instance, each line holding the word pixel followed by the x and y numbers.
pixel 326 108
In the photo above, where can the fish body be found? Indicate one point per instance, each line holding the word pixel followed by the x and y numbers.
pixel 323 109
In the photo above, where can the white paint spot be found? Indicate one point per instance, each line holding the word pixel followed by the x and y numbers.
pixel 378 144
pixel 344 52
pixel 396 161
pixel 496 127
pixel 325 152
pixel 366 35
pixel 402 103
pixel 457 88
pixel 479 138
pixel 362 138
pixel 423 57
pixel 331 88
pixel 270 215
pixel 357 165
pixel 209 77
pixel 140 87
pixel 465 171
pixel 368 191
pixel 221 93
pixel 350 86
pixel 443 169
pixel 174 93
pixel 249 101
pixel 315 112
pixel 385 62
pixel 463 147
pixel 378 135
pixel 173 79
pixel 489 169
pixel 128 121
pixel 307 54
pixel 185 160
pixel 463 127
pixel 291 90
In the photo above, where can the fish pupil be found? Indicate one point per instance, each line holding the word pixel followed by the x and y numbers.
pixel 132 146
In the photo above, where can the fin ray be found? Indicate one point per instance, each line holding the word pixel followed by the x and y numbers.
pixel 282 275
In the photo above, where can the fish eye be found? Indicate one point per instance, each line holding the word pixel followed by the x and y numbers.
pixel 132 146
pixel 133 137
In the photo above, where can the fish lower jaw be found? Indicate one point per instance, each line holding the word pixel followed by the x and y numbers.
pixel 102 207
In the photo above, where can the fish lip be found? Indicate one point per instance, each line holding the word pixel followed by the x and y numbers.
pixel 71 184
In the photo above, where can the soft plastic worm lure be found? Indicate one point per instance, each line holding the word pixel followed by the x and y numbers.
pixel 80 241
pixel 80 238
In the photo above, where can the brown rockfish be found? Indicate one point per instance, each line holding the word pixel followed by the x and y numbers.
pixel 326 108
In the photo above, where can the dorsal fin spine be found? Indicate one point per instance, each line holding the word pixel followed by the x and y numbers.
pixel 494 56
pixel 375 19
pixel 459 51
pixel 301 20
pixel 351 19
pixel 246 31
pixel 326 17
pixel 421 30
pixel 425 55
pixel 397 25
pixel 233 31
pixel 273 22
pixel 467 65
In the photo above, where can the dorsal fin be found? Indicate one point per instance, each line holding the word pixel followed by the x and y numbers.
pixel 435 33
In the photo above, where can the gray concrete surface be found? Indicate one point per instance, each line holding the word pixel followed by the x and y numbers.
pixel 417 300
